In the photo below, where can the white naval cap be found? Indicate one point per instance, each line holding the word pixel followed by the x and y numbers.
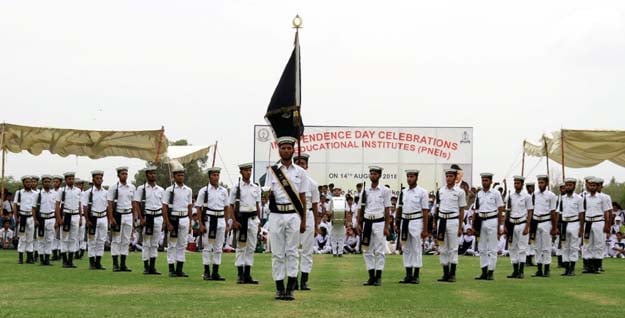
pixel 78 180
pixel 599 180
pixel 618 218
pixel 375 168
pixel 150 168
pixel 520 178
pixel 561 184
pixel 97 172
pixel 486 175
pixel 122 168
pixel 588 178
pixel 570 180
pixel 542 176
pixel 530 184
pixel 36 178
pixel 412 171
pixel 303 155
pixel 247 165
pixel 46 176
pixel 177 170
pixel 286 140
pixel 26 177
pixel 595 180
pixel 451 171
pixel 69 174
pixel 57 177
pixel 214 169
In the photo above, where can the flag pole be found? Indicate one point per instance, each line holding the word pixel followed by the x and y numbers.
pixel 297 24
pixel 546 154
pixel 158 147
pixel 523 160
pixel 562 151
pixel 4 154
pixel 214 154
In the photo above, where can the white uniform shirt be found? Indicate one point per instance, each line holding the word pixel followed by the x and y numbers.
pixel 377 199
pixel 544 202
pixel 572 205
pixel 312 193
pixel 6 235
pixel 250 195
pixel 48 201
pixel 153 196
pixel 608 199
pixel 124 195
pixel 6 205
pixel 596 205
pixel 99 200
pixel 217 198
pixel 451 199
pixel 183 196
pixel 490 200
pixel 415 200
pixel 28 199
pixel 297 177
pixel 264 211
pixel 72 198
pixel 520 203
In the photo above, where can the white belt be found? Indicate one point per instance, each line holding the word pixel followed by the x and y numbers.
pixel 26 213
pixel 245 211
pixel 215 213
pixel 123 211
pixel 153 212
pixel 597 218
pixel 373 216
pixel 485 215
pixel 448 215
pixel 179 213
pixel 519 220
pixel 412 216
pixel 542 217
pixel 570 218
pixel 98 214
pixel 285 207
pixel 72 212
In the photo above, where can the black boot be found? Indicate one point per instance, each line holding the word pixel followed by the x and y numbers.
pixel 280 289
pixel 415 276
pixel 172 270
pixel 566 268
pixel 247 276
pixel 146 267
pixel 70 260
pixel 408 276
pixel 64 257
pixel 445 274
pixel 153 270
pixel 587 268
pixel 547 271
pixel 571 269
pixel 490 275
pixel 530 260
pixel 179 272
pixel 55 255
pixel 98 263
pixel 290 285
pixel 240 279
pixel 46 260
pixel 560 263
pixel 29 258
pixel 77 255
pixel 371 278
pixel 42 261
pixel 303 282
pixel 123 266
pixel 521 271
pixel 600 265
pixel 515 271
pixel 539 272
pixel 215 275
pixel 20 258
pixel 36 255
pixel 378 278
pixel 452 273
pixel 92 263
pixel 484 275
pixel 82 253
pixel 207 273
pixel 116 263
pixel 596 264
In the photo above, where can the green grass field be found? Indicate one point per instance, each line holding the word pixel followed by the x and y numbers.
pixel 36 291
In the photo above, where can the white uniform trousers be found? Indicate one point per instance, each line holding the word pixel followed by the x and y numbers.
pixel 570 247
pixel 412 251
pixel 543 243
pixel 244 256
pixel 596 241
pixel 449 249
pixel 96 242
pixel 518 247
pixel 307 241
pixel 25 243
pixel 150 242
pixel 211 254
pixel 121 239
pixel 56 242
pixel 488 244
pixel 45 241
pixel 374 256
pixel 337 238
pixel 176 245
pixel 285 236
pixel 69 239
pixel 82 244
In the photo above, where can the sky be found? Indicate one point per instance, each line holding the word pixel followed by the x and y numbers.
pixel 205 70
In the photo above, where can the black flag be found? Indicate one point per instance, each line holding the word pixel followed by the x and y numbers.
pixel 283 113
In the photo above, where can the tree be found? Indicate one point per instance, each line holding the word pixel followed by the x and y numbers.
pixel 12 185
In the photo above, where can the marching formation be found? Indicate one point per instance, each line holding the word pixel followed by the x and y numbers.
pixel 53 219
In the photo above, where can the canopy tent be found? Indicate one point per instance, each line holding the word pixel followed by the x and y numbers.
pixel 148 145
pixel 186 154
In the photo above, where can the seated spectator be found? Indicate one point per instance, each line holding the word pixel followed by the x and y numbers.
pixel 501 245
pixel 467 242
pixel 8 216
pixel 429 246
pixel 617 227
pixel 322 242
pixel 618 246
pixel 325 223
pixel 352 242
pixel 6 236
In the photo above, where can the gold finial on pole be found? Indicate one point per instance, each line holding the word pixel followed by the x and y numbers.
pixel 297 22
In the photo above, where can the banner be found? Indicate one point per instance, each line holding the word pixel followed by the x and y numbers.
pixel 341 155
